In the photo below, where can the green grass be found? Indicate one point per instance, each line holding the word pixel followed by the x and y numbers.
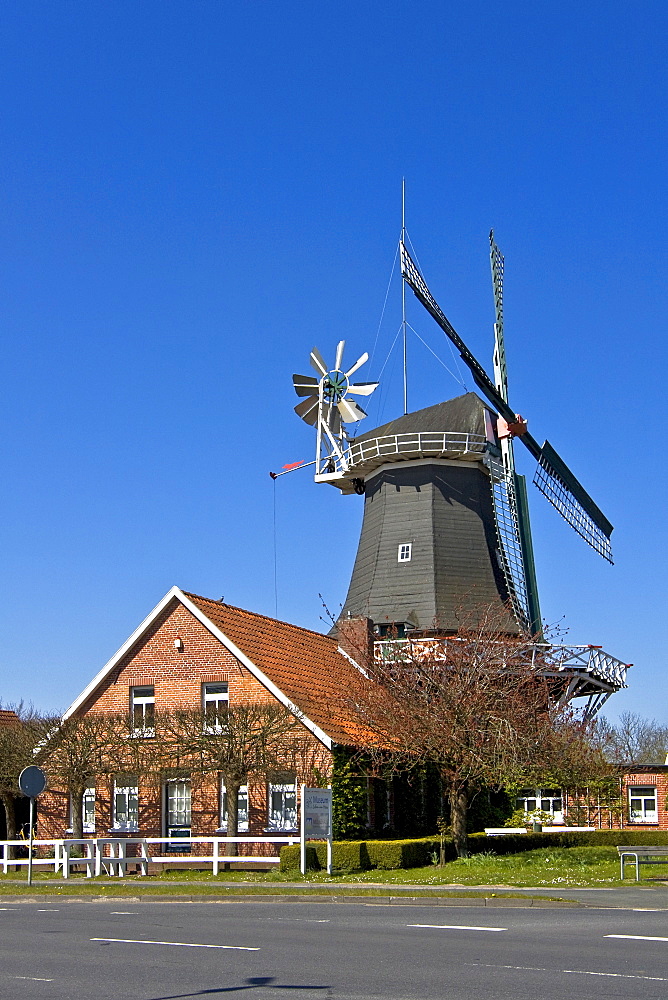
pixel 545 867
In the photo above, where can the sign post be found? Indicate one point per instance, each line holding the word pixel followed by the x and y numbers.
pixel 32 782
pixel 316 821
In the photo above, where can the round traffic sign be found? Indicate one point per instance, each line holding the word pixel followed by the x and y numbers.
pixel 32 781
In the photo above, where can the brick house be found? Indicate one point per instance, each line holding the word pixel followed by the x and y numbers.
pixel 191 652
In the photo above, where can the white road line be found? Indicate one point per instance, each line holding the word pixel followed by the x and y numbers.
pixel 570 972
pixel 123 913
pixel 175 944
pixel 457 927
pixel 636 937
pixel 34 979
pixel 50 909
pixel 10 908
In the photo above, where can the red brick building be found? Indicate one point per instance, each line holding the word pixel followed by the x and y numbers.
pixel 196 653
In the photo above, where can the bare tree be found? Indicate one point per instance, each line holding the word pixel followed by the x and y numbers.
pixel 245 741
pixel 633 739
pixel 79 748
pixel 475 704
pixel 18 738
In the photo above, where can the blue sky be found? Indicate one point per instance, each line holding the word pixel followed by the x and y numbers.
pixel 195 193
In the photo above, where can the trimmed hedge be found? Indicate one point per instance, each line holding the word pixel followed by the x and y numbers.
pixel 514 843
pixel 363 855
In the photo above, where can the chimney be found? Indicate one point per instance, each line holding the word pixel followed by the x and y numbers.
pixel 355 637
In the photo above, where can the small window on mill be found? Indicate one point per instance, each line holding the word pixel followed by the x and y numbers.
pixel 405 551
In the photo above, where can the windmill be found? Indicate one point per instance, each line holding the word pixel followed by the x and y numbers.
pixel 446 523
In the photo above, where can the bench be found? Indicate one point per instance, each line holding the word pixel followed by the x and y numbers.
pixel 503 831
pixel 642 856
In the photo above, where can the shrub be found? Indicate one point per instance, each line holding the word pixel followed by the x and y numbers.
pixel 350 856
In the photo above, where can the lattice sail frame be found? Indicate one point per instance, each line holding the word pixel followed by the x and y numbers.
pixel 506 519
pixel 553 488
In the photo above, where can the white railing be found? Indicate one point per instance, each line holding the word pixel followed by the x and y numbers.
pixel 55 860
pixel 109 855
pixel 591 661
pixel 419 444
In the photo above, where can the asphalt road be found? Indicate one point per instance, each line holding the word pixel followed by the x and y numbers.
pixel 55 949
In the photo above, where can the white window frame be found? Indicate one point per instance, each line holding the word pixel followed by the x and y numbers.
pixel 87 807
pixel 647 807
pixel 405 552
pixel 215 703
pixel 126 790
pixel 242 809
pixel 178 791
pixel 542 797
pixel 286 817
pixel 142 704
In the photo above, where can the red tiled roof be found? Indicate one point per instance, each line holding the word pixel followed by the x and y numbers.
pixel 7 717
pixel 306 666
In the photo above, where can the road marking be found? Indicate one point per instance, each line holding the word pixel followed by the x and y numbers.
pixel 292 920
pixel 123 913
pixel 34 979
pixel 10 908
pixel 571 972
pixel 457 927
pixel 636 937
pixel 175 944
pixel 50 909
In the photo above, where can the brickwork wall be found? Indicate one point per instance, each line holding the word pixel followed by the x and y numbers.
pixel 612 812
pixel 652 779
pixel 177 677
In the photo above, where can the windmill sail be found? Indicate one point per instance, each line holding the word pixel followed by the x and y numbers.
pixel 553 477
pixel 511 510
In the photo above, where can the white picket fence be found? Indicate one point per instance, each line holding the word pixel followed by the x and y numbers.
pixel 109 855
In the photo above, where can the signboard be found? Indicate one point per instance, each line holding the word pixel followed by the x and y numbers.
pixel 316 821
pixel 32 781
pixel 317 806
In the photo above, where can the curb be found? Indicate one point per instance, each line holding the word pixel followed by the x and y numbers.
pixel 496 901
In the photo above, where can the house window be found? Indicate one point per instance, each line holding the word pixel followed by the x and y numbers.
pixel 178 803
pixel 87 809
pixel 642 804
pixel 215 700
pixel 242 809
pixel 405 551
pixel 547 800
pixel 142 709
pixel 283 803
pixel 126 803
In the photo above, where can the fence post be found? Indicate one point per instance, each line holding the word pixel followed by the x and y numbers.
pixel 66 858
pixel 216 854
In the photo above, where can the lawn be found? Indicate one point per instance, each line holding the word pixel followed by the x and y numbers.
pixel 545 867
